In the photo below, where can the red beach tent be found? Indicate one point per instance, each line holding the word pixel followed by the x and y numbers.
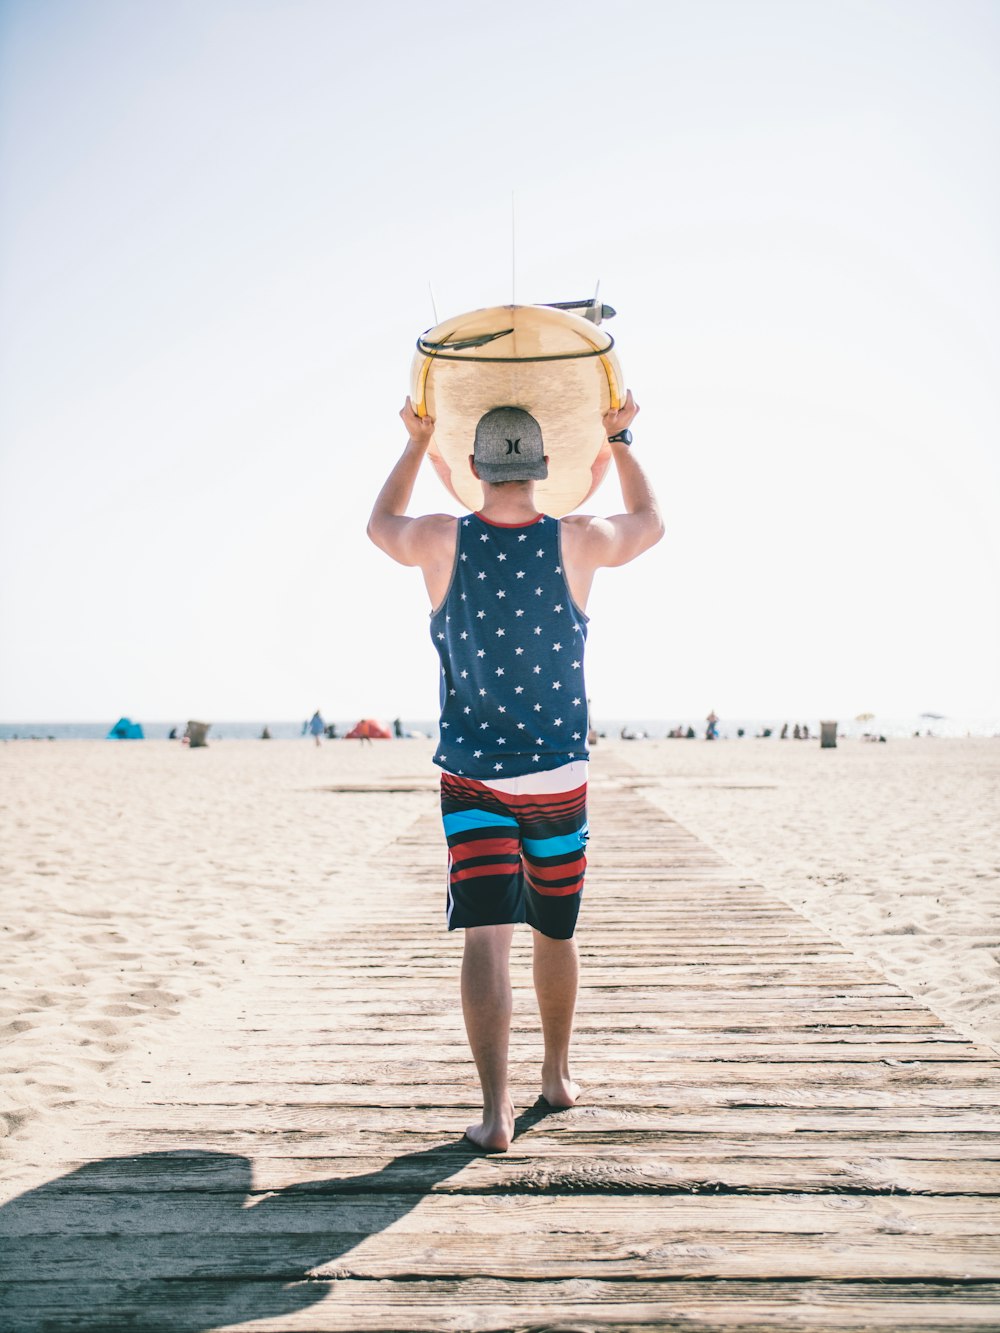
pixel 376 731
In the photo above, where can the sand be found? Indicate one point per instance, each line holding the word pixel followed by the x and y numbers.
pixel 141 879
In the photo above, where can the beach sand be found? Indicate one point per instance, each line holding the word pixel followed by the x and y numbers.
pixel 140 879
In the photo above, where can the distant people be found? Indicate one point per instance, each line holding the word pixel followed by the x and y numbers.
pixel 172 736
pixel 805 731
pixel 316 726
pixel 739 732
pixel 712 726
pixel 265 735
pixel 796 732
pixel 397 729
pixel 784 732
pixel 331 731
pixel 690 734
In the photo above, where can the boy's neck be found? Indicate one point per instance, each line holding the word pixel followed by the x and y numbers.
pixel 513 503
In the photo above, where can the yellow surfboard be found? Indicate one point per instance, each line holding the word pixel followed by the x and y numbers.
pixel 557 365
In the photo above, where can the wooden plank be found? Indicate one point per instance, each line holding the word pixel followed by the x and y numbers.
pixel 407 1026
pixel 238 1065
pixel 862 1050
pixel 593 1165
pixel 450 1106
pixel 303 1092
pixel 88 1215
pixel 609 1139
pixel 485 1305
pixel 341 1246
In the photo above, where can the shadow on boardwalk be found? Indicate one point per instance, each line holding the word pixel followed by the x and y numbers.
pixel 176 1240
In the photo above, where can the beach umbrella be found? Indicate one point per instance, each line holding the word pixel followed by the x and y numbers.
pixel 864 717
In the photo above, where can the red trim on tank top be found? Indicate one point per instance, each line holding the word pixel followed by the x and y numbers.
pixel 494 524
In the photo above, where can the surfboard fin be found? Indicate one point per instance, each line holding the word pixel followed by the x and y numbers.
pixel 590 309
pixel 460 344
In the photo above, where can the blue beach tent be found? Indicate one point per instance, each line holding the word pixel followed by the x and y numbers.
pixel 125 730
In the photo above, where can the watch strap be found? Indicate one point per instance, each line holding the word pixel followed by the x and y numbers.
pixel 623 437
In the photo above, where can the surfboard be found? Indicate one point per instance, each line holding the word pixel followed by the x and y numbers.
pixel 556 364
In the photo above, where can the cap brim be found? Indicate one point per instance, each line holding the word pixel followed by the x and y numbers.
pixel 504 472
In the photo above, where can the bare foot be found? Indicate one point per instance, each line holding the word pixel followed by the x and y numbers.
pixel 559 1090
pixel 493 1134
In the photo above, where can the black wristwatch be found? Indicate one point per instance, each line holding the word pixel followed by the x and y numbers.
pixel 623 437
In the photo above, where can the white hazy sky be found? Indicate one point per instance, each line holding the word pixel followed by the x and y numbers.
pixel 217 224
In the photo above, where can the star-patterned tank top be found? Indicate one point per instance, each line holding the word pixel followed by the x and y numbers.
pixel 511 640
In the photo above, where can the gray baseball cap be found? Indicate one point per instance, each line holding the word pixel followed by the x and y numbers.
pixel 509 446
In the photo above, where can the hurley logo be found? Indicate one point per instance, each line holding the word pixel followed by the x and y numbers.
pixel 514 446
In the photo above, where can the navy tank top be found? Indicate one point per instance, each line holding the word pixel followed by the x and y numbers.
pixel 511 640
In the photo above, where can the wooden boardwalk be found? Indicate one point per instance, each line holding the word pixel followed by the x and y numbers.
pixel 772 1136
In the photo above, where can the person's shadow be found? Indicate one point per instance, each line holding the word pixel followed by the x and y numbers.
pixel 176 1241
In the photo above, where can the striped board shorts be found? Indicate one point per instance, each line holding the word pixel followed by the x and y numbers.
pixel 517 849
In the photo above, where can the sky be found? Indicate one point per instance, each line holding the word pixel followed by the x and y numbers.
pixel 218 224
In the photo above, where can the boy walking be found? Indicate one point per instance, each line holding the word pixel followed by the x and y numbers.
pixel 508 588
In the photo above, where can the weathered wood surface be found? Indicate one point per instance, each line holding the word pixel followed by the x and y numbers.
pixel 772 1135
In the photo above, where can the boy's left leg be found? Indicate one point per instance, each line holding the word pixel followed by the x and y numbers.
pixel 487 1004
pixel 554 833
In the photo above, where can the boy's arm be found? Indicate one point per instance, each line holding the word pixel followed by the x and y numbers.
pixel 602 542
pixel 411 541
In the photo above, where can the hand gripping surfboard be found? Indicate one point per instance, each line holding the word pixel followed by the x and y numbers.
pixel 557 365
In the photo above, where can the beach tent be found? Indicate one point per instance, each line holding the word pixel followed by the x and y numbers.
pixel 125 730
pixel 377 731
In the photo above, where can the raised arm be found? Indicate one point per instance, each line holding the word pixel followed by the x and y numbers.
pixel 427 541
pixel 595 543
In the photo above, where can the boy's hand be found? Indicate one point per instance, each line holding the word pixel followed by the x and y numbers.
pixel 419 429
pixel 616 421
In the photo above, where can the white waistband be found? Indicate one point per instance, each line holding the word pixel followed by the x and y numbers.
pixel 567 777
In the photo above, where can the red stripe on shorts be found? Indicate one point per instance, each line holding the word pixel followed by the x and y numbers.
pixel 463 851
pixel 475 872
pixel 555 872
